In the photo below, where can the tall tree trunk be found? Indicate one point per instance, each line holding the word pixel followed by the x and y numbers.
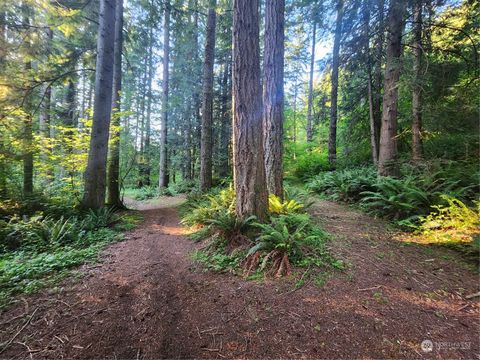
pixel 332 139
pixel 249 169
pixel 113 173
pixel 95 175
pixel 3 54
pixel 226 120
pixel 149 112
pixel 207 103
pixel 417 152
pixel 310 82
pixel 163 176
pixel 387 159
pixel 45 116
pixel 370 90
pixel 378 78
pixel 28 120
pixel 273 94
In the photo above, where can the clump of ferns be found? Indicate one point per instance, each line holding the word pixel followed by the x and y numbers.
pixel 277 243
pixel 229 230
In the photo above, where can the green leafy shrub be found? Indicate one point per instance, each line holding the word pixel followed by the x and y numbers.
pixel 98 218
pixel 396 198
pixel 344 185
pixel 200 209
pixel 310 164
pixel 277 206
pixel 287 239
pixel 454 222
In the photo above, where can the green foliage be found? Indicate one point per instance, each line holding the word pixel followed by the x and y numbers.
pixel 99 218
pixel 289 236
pixel 200 209
pixel 454 222
pixel 404 199
pixel 229 225
pixel 396 198
pixel 277 206
pixel 344 185
pixel 309 164
pixel 218 261
pixel 37 250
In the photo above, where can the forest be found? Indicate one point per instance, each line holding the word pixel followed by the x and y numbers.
pixel 239 178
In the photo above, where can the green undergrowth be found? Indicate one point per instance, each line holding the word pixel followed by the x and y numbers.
pixel 289 240
pixel 40 249
pixel 436 200
pixel 151 192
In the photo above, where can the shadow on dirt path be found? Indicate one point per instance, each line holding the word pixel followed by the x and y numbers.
pixel 148 300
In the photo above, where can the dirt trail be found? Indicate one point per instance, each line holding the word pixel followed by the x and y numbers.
pixel 148 300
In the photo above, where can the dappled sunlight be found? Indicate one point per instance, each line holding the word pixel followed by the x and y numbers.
pixel 171 230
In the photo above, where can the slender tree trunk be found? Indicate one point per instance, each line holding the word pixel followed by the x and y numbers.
pixel 28 120
pixel 370 90
pixel 3 167
pixel 332 139
pixel 113 173
pixel 387 161
pixel 273 94
pixel 378 77
pixel 249 169
pixel 207 103
pixel 225 131
pixel 149 112
pixel 310 83
pixel 95 175
pixel 163 176
pixel 417 152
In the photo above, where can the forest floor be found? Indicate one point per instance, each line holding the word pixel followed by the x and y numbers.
pixel 147 299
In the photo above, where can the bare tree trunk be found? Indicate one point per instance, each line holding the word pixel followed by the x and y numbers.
pixel 226 130
pixel 387 165
pixel 207 103
pixel 332 139
pixel 273 94
pixel 113 186
pixel 378 77
pixel 310 82
pixel 149 113
pixel 3 172
pixel 95 175
pixel 249 168
pixel 417 152
pixel 370 90
pixel 28 120
pixel 163 176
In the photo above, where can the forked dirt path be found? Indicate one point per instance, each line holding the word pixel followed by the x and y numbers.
pixel 148 300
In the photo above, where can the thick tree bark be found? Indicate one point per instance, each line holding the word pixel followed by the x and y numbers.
pixel 273 94
pixel 95 175
pixel 163 176
pixel 249 168
pixel 387 165
pixel 417 152
pixel 206 143
pixel 310 83
pixel 113 186
pixel 332 139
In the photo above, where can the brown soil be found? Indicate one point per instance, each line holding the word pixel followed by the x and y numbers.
pixel 147 300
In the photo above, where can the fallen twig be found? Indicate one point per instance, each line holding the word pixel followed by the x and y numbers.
pixel 471 296
pixel 371 288
pixel 8 343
